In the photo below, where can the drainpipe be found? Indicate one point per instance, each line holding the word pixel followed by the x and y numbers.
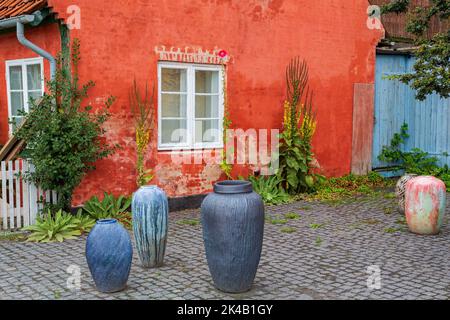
pixel 27 43
pixel 19 22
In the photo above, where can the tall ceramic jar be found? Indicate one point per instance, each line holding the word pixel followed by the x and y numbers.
pixel 150 214
pixel 400 190
pixel 109 253
pixel 233 227
pixel 425 204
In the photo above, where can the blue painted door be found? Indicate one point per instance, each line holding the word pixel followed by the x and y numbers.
pixel 395 103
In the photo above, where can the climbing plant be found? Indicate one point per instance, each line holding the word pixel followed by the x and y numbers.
pixel 414 161
pixel 431 71
pixel 63 137
pixel 142 109
pixel 226 167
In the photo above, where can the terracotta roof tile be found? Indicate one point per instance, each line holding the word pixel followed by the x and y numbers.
pixel 14 8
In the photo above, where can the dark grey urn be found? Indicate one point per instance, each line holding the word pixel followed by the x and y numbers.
pixel 233 229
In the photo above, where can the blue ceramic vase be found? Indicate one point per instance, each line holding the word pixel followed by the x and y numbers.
pixel 233 228
pixel 109 253
pixel 150 214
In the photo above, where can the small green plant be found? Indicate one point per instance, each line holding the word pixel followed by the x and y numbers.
pixel 401 221
pixel 126 219
pixel 319 241
pixel 84 222
pixel 370 221
pixel 288 230
pixel 54 227
pixel 108 208
pixel 12 236
pixel 292 216
pixel 315 226
pixel 57 294
pixel 389 195
pixel 387 210
pixel 391 230
pixel 277 219
pixel 270 190
pixel 415 161
pixel 189 222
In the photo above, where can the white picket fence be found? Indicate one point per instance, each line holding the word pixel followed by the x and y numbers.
pixel 20 201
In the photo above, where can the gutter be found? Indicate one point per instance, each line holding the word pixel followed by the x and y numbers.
pixel 33 20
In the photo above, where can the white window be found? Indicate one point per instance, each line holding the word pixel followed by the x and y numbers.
pixel 24 80
pixel 190 108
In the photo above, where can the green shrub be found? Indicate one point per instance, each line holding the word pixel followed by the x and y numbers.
pixel 299 126
pixel 84 222
pixel 63 138
pixel 108 208
pixel 54 227
pixel 336 190
pixel 270 189
pixel 415 161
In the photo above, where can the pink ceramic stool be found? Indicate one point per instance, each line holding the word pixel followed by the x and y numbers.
pixel 425 199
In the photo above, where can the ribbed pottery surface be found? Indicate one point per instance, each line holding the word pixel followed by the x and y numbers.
pixel 233 228
pixel 150 213
pixel 109 253
pixel 425 200
pixel 400 191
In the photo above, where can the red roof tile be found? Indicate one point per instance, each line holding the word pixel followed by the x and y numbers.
pixel 14 8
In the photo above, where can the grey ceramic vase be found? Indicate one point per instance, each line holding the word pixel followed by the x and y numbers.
pixel 233 228
pixel 150 214
pixel 400 189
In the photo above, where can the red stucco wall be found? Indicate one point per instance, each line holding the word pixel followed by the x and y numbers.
pixel 117 44
pixel 46 36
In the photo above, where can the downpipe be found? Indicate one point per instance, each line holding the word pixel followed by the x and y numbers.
pixel 27 43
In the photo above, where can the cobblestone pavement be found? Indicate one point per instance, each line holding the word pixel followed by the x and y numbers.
pixel 326 257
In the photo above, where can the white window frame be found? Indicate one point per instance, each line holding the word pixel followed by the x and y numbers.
pixel 190 101
pixel 23 63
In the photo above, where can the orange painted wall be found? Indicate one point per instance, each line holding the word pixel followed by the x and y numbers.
pixel 117 44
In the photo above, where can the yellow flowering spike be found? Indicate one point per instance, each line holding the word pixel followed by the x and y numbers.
pixel 287 117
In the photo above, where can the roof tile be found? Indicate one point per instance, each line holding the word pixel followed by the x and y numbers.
pixel 14 8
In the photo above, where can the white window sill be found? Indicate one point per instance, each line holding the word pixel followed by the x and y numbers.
pixel 188 149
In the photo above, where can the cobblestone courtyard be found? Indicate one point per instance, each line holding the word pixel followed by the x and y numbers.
pixel 325 256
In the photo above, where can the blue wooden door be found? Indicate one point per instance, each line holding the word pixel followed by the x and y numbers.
pixel 395 103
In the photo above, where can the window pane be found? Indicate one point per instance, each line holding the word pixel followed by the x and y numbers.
pixel 33 95
pixel 207 106
pixel 173 105
pixel 207 81
pixel 173 131
pixel 173 80
pixel 34 77
pixel 17 121
pixel 207 131
pixel 16 102
pixel 15 78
